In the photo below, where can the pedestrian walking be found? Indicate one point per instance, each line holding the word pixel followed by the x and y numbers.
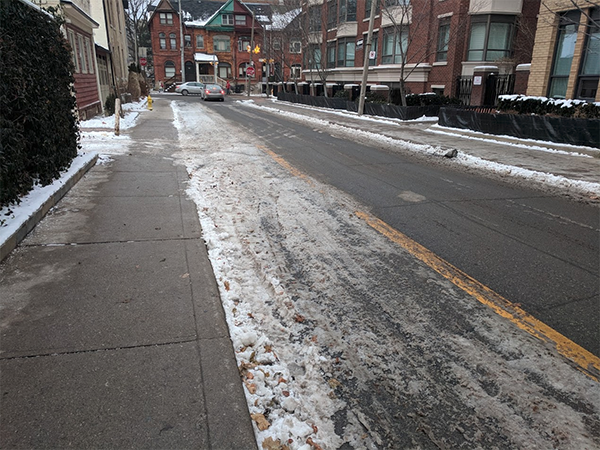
pixel 228 87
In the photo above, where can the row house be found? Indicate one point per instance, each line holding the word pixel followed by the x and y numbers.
pixel 96 32
pixel 566 55
pixel 441 46
pixel 218 42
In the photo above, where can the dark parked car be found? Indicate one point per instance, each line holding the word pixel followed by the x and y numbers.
pixel 191 87
pixel 213 92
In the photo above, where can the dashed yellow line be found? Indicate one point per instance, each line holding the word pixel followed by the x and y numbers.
pixel 586 362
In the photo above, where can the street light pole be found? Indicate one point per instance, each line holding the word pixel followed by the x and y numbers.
pixel 365 74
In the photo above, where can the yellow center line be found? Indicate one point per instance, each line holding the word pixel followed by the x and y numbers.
pixel 586 362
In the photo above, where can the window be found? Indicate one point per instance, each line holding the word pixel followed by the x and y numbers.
pixel 331 60
pixel 345 52
pixel 88 51
pixel 187 39
pixel 395 43
pixel 295 71
pixel 347 11
pixel 243 43
pixel 374 48
pixel 222 44
pixel 332 13
pixel 443 40
pixel 403 3
pixel 491 38
pixel 81 51
pixel 242 69
pixel 589 75
pixel 563 57
pixel 199 41
pixel 240 20
pixel 227 19
pixel 74 50
pixel 368 8
pixel 224 70
pixel 166 18
pixel 172 40
pixel 169 69
pixel 295 47
pixel 313 57
pixel 314 18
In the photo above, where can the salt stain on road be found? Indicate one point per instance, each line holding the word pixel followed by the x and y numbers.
pixel 342 337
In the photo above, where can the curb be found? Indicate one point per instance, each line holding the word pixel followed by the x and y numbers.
pixel 16 238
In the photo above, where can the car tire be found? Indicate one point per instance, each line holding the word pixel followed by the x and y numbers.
pixel 222 99
pixel 184 92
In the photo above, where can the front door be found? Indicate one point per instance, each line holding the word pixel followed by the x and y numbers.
pixel 190 72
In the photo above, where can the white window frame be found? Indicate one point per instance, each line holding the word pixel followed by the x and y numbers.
pixel 74 56
pixel 88 50
pixel 240 20
pixel 227 19
pixel 81 52
pixel 296 47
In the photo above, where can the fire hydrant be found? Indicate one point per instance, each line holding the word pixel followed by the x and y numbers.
pixel 149 103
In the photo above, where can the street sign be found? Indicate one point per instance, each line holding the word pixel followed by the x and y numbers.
pixel 143 61
pixel 250 71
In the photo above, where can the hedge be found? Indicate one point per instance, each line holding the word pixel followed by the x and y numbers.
pixel 38 126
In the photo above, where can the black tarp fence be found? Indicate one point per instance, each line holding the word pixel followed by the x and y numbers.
pixel 563 130
pixel 372 109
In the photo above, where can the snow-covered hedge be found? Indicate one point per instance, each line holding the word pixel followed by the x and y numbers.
pixel 522 104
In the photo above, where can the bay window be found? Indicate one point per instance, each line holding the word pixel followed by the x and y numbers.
pixel 491 37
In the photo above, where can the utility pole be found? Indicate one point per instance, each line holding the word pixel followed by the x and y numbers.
pixel 251 50
pixel 181 43
pixel 365 75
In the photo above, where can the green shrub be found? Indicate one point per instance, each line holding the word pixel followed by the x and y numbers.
pixel 38 125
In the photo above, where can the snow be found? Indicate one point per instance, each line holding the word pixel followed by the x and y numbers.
pixel 584 187
pixel 285 255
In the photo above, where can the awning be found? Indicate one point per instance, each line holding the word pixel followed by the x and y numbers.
pixel 203 57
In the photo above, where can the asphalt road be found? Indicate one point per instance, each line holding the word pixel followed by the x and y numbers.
pixel 537 250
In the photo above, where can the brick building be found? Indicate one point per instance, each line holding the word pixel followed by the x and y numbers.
pixel 566 54
pixel 216 39
pixel 434 46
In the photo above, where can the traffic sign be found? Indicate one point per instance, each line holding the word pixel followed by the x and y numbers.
pixel 143 62
pixel 250 71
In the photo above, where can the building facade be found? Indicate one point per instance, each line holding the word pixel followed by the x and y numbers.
pixel 79 31
pixel 221 40
pixel 427 46
pixel 566 54
pixel 111 46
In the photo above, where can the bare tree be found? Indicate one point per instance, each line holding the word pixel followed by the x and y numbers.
pixel 412 39
pixel 137 24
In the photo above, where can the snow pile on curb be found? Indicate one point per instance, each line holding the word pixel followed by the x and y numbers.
pixel 583 187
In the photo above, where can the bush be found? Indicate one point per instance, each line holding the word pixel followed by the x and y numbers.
pixel 38 125
pixel 429 99
pixel 109 104
pixel 542 106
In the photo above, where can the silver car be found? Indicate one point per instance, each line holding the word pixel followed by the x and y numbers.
pixel 213 92
pixel 191 87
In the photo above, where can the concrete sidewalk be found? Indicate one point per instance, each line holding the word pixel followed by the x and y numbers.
pixel 112 330
pixel 560 160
